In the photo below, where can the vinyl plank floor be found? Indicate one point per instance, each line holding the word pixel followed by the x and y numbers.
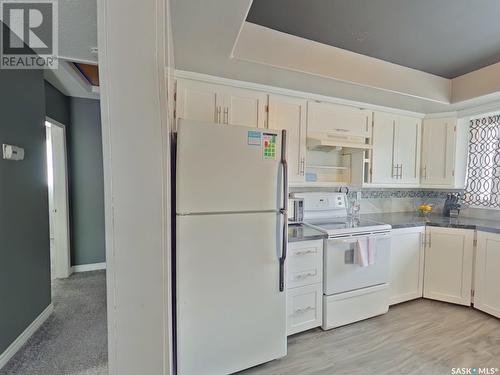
pixel 417 337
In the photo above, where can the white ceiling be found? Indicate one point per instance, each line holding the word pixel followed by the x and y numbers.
pixel 77 36
pixel 204 37
pixel 77 30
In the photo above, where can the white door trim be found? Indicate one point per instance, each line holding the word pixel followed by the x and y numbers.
pixel 136 183
pixel 61 220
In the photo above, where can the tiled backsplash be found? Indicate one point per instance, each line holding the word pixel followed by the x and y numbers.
pixel 392 200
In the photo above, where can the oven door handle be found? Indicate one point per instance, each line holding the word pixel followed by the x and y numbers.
pixel 355 238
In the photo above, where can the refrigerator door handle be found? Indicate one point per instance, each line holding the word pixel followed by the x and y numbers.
pixel 284 214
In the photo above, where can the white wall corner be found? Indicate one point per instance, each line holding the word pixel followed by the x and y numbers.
pixel 24 337
pixel 481 82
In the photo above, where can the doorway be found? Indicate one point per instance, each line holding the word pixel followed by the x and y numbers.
pixel 57 177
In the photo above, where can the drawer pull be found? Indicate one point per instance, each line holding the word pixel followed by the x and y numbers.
pixel 305 275
pixel 305 252
pixel 305 309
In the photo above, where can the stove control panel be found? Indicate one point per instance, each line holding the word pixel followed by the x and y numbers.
pixel 323 203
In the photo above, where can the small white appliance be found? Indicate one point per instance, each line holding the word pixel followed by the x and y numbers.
pixel 231 244
pixel 352 290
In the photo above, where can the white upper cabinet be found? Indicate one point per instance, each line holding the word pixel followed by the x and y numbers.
pixel 407 149
pixel 338 120
pixel 448 265
pixel 243 107
pixel 198 101
pixel 290 113
pixel 383 162
pixel 396 149
pixel 220 104
pixel 438 152
pixel 487 277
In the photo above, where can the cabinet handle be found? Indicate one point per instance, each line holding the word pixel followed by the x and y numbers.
pixel 218 114
pixel 425 172
pixel 302 166
pixel 430 240
pixel 401 171
pixel 226 115
pixel 342 130
pixel 394 175
pixel 305 275
pixel 305 309
pixel 305 252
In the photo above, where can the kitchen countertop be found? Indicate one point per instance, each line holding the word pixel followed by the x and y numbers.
pixel 410 219
pixel 298 232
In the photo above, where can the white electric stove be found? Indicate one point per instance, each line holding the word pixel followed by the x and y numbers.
pixel 353 290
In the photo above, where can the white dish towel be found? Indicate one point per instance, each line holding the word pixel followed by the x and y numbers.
pixel 361 253
pixel 372 250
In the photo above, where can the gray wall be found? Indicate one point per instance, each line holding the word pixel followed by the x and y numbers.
pixel 85 173
pixel 57 105
pixel 86 182
pixel 24 225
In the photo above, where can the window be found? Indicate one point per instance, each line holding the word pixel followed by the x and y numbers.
pixel 483 165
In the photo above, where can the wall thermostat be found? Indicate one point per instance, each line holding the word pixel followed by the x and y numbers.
pixel 12 152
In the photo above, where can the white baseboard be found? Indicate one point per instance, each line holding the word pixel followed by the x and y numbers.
pixel 89 267
pixel 23 337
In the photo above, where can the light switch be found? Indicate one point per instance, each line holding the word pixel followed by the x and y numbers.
pixel 11 152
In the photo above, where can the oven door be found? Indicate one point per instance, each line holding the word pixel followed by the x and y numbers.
pixel 343 274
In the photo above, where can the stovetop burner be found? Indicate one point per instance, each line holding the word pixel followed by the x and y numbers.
pixel 342 225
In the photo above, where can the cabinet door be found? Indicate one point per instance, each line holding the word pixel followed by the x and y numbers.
pixel 338 120
pixel 407 264
pixel 438 152
pixel 290 114
pixel 448 265
pixel 198 101
pixel 407 149
pixel 383 163
pixel 244 107
pixel 487 276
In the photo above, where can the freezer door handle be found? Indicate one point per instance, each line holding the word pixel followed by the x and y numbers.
pixel 284 214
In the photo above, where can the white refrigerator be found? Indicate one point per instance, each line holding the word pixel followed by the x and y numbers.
pixel 231 238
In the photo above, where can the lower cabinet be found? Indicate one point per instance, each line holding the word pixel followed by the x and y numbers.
pixel 304 270
pixel 448 265
pixel 407 264
pixel 487 275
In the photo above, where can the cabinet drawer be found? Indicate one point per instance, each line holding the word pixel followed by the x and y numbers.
pixel 304 308
pixel 305 264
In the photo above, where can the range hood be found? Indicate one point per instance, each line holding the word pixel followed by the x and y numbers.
pixel 328 141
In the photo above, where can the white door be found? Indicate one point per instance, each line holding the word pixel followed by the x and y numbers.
pixel 407 264
pixel 448 265
pixel 383 162
pixel 487 274
pixel 290 113
pixel 438 152
pixel 60 212
pixel 224 168
pixel 407 149
pixel 338 120
pixel 198 101
pixel 243 107
pixel 231 314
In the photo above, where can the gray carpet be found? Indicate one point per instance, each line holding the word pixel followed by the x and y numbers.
pixel 73 341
